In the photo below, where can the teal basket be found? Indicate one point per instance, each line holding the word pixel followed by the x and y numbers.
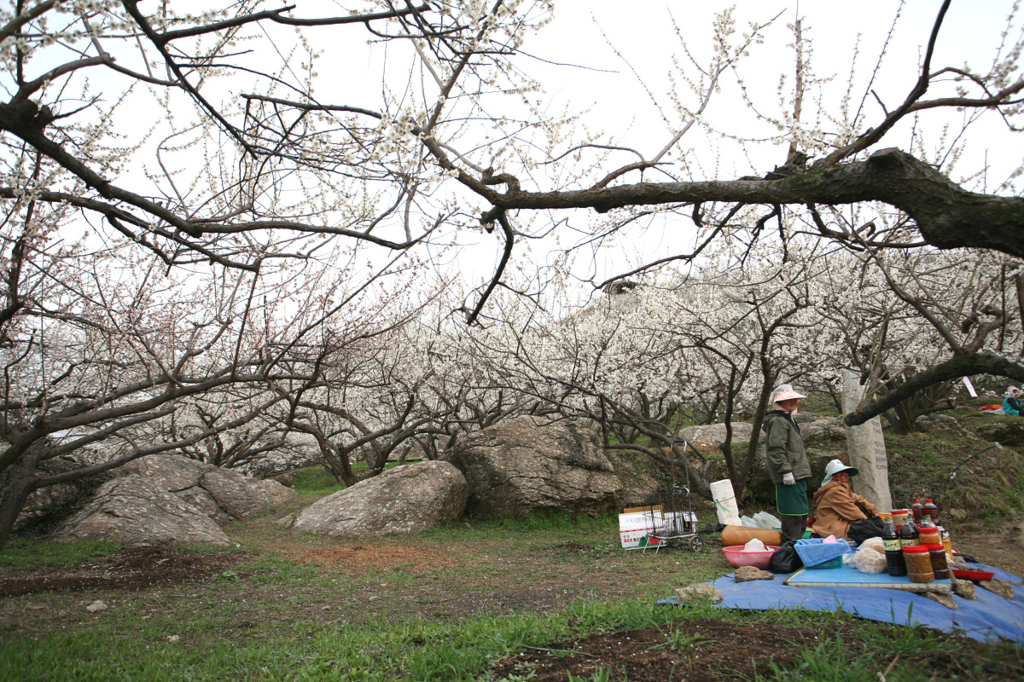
pixel 831 563
pixel 816 552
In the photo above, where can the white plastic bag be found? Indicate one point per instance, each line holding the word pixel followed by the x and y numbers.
pixel 755 545
pixel 876 544
pixel 766 520
pixel 870 561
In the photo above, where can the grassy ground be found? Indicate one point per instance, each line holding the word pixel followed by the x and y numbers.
pixel 445 605
pixel 448 604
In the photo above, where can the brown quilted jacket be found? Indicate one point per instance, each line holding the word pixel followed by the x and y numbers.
pixel 838 507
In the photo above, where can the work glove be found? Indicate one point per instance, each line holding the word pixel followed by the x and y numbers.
pixel 788 479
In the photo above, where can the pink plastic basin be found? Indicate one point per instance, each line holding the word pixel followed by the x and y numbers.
pixel 737 557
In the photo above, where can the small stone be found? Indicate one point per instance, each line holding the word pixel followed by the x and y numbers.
pixel 957 514
pixel 96 607
pixel 698 593
pixel 746 573
pixel 173 638
pixel 286 521
pixel 943 599
pixel 964 589
pixel 997 586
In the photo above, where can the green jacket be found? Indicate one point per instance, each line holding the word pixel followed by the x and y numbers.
pixel 785 447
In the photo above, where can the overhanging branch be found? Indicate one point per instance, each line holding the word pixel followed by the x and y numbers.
pixel 961 366
pixel 947 215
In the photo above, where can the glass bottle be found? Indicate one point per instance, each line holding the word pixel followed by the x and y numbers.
pixel 893 548
pixel 909 535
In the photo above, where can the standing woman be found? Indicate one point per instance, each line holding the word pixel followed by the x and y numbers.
pixel 788 465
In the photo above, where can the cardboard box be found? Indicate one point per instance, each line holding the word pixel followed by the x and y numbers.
pixel 635 529
pixel 675 522
pixel 638 539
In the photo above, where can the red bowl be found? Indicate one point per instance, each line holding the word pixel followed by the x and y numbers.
pixel 737 557
pixel 973 575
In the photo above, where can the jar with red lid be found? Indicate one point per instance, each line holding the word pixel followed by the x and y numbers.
pixel 919 564
pixel 929 535
pixel 899 517
pixel 937 555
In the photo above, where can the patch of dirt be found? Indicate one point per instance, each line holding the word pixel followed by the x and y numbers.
pixel 132 568
pixel 575 547
pixel 371 557
pixel 714 650
pixel 998 548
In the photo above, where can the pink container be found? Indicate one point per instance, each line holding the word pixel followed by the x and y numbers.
pixel 737 557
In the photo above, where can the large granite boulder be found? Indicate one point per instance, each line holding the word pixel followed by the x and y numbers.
pixel 529 463
pixel 1008 430
pixel 823 430
pixel 46 507
pixel 815 428
pixel 221 494
pixel 42 504
pixel 406 499
pixel 710 435
pixel 937 423
pixel 132 510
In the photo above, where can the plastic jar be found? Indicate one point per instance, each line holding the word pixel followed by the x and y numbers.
pixel 929 535
pixel 937 554
pixel 919 564
pixel 899 517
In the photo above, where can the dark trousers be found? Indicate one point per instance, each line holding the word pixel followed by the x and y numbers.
pixel 793 527
pixel 865 529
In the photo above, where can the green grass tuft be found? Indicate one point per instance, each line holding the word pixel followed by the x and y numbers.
pixel 314 481
pixel 21 552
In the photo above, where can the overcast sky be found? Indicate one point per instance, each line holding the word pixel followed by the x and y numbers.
pixel 621 60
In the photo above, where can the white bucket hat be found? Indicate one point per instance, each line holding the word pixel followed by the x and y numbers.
pixel 1012 392
pixel 785 392
pixel 834 467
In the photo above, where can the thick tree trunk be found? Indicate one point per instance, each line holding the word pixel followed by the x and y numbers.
pixel 1019 281
pixel 19 484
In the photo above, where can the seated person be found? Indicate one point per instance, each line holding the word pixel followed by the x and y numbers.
pixel 1012 403
pixel 840 511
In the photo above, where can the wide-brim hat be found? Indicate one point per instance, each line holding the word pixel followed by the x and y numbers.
pixel 834 467
pixel 785 392
pixel 1012 392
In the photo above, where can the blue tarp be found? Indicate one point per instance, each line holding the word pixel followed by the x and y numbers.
pixel 984 619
